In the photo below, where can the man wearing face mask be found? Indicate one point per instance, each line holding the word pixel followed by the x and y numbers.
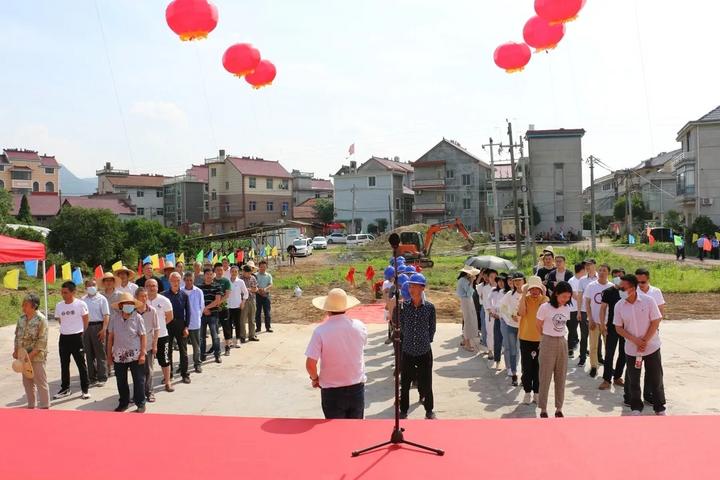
pixel 592 297
pixel 94 335
pixel 610 297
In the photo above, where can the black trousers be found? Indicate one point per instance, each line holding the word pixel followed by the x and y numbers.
pixel 224 318
pixel 235 320
pixel 529 362
pixel 679 253
pixel 344 402
pixel 584 335
pixel 72 346
pixel 416 368
pixel 137 372
pixel 572 326
pixel 653 381
pixel 613 342
pixel 175 331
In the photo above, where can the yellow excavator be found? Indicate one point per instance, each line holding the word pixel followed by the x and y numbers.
pixel 416 248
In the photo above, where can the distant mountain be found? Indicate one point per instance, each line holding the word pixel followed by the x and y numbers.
pixel 72 185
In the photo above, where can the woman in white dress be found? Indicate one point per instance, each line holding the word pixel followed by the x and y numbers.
pixel 464 292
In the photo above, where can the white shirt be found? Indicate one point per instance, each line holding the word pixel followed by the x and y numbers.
pixel 495 297
pixel 575 284
pixel 509 307
pixel 130 288
pixel 582 285
pixel 635 318
pixel 162 304
pixel 70 316
pixel 655 293
pixel 226 274
pixel 238 293
pixel 338 344
pixel 97 306
pixel 554 320
pixel 485 291
pixel 593 292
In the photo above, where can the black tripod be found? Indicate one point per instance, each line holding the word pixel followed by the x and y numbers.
pixel 397 437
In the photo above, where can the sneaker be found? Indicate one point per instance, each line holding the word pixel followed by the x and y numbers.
pixel 254 339
pixel 236 344
pixel 527 398
pixel 571 354
pixel 403 415
pixel 100 384
pixel 62 393
pixel 430 415
pixel 636 413
pixel 509 373
pixel 85 395
pixel 535 399
pixel 593 372
pixel 619 382
pixel 140 409
pixel 169 388
pixel 514 381
pixel 559 414
pixel 243 340
pixel 269 330
pixel 218 360
pixel 543 415
pixel 581 363
pixel 186 379
pixel 121 408
pixel 661 414
pixel 497 365
pixel 605 385
pixel 227 351
pixel 198 369
pixel 151 397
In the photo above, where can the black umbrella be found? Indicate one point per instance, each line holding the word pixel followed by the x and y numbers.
pixel 490 261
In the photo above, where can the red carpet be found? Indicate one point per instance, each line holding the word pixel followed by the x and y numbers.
pixel 369 313
pixel 39 445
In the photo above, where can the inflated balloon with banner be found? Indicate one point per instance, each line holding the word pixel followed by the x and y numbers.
pixel 191 19
pixel 263 75
pixel 512 57
pixel 241 59
pixel 541 35
pixel 559 11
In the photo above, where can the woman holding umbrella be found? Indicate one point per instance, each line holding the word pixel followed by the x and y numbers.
pixel 465 292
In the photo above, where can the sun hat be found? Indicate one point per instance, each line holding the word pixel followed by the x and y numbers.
pixel 472 271
pixel 337 300
pixel 534 282
pixel 251 264
pixel 107 276
pixel 548 249
pixel 17 365
pixel 169 266
pixel 126 297
pixel 123 268
pixel 417 279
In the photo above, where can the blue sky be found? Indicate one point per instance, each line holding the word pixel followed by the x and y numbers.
pixel 392 76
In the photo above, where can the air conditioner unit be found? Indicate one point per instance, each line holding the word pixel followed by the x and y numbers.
pixel 706 202
pixel 283 213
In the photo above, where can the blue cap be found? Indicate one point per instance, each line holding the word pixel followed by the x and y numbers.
pixel 417 279
pixel 402 279
pixel 410 268
pixel 389 273
pixel 400 260
pixel 405 291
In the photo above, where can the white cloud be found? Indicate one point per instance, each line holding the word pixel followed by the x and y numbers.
pixel 167 112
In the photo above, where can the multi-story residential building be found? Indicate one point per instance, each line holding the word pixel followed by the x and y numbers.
pixel 606 194
pixel 376 192
pixel 306 186
pixel 24 171
pixel 44 207
pixel 118 205
pixel 451 182
pixel 245 192
pixel 696 168
pixel 145 192
pixel 656 183
pixel 187 199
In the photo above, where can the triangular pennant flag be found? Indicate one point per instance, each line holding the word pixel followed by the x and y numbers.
pixel 251 253
pixel 717 235
pixel 12 279
pixel 222 257
pixel 117 265
pixel 214 260
pixel 146 260
pixel 161 263
pixel 274 252
pixel 155 259
pixel 370 273
pixel 651 239
pixel 695 237
pixel 707 245
pixel 181 258
pixel 170 257
pixel 50 274
pixel 66 272
pixel 99 272
pixel 631 240
pixel 31 268
pixel 77 277
pixel 199 257
pixel 139 270
pixel 678 240
pixel 210 255
pixel 231 258
pixel 261 252
pixel 268 250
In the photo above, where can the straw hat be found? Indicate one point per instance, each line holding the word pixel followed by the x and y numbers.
pixel 131 274
pixel 472 271
pixel 335 301
pixel 107 275
pixel 534 282
pixel 251 264
pixel 126 297
pixel 548 249
pixel 169 266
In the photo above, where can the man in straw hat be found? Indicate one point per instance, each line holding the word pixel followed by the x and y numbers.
pixel 127 344
pixel 338 345
pixel 31 335
pixel 108 290
pixel 125 276
pixel 168 269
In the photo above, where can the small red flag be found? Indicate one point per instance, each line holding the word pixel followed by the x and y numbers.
pixel 239 256
pixel 350 277
pixel 50 274
pixel 651 239
pixel 161 262
pixel 139 272
pixel 370 273
pixel 99 272
pixel 418 268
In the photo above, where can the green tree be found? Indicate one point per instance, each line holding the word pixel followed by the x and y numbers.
pixel 24 215
pixel 382 224
pixel 148 237
pixel 601 222
pixel 372 229
pixel 6 204
pixel 703 224
pixel 674 221
pixel 89 235
pixel 26 234
pixel 324 209
pixel 639 210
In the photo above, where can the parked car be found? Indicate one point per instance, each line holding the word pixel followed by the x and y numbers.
pixel 304 247
pixel 359 239
pixel 336 238
pixel 319 242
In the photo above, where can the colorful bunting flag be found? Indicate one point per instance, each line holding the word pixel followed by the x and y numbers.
pixel 66 272
pixel 231 258
pixel 31 268
pixel 268 250
pixel 99 272
pixel 161 263
pixel 369 273
pixel 139 270
pixel 155 259
pixel 274 252
pixel 717 235
pixel 678 240
pixel 631 240
pixel 170 257
pixel 146 260
pixel 261 252
pixel 210 255
pixel 50 274
pixel 651 239
pixel 695 237
pixel 251 253
pixel 214 260
pixel 77 277
pixel 117 266
pixel 240 256
pixel 181 258
pixel 12 279
pixel 200 255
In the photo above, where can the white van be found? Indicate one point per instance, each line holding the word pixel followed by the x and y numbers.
pixel 359 239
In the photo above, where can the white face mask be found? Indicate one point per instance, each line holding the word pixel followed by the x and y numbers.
pixel 91 290
pixel 623 295
pixel 616 281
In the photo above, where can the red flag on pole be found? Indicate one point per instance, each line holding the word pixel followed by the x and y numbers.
pixel 99 272
pixel 139 272
pixel 350 277
pixel 370 273
pixel 162 264
pixel 240 256
pixel 50 274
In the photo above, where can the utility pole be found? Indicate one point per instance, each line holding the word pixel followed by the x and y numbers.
pixel 496 210
pixel 518 246
pixel 353 229
pixel 528 223
pixel 390 212
pixel 591 161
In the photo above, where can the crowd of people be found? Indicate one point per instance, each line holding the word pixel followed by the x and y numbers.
pixel 124 325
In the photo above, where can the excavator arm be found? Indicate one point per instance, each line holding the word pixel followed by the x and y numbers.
pixel 453 225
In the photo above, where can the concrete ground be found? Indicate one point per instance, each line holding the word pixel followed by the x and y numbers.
pixel 268 379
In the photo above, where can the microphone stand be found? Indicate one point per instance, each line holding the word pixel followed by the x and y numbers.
pixel 397 437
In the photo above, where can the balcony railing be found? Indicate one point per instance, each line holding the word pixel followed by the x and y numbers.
pixel 428 207
pixel 429 184
pixel 683 157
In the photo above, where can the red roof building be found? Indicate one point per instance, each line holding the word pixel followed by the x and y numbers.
pixel 43 206
pixel 25 171
pixel 145 192
pixel 120 207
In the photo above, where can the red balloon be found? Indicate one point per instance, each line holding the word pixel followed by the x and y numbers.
pixel 559 11
pixel 191 19
pixel 541 35
pixel 263 75
pixel 241 59
pixel 512 57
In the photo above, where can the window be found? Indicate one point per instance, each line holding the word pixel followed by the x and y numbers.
pixel 2 168
pixel 450 198
pixel 371 181
pixel 606 186
pixel 449 174
pixel 686 180
pixel 285 206
pixel 21 175
pixel 205 188
pixel 49 171
pixel 36 187
pixel 490 199
pixel 252 206
pixel 466 179
pixel 159 193
pixel 213 172
pixel 439 197
pixel 269 206
pixel 560 218
pixel 251 182
pixel 141 211
pixel 227 207
pixel 269 183
pixel 139 193
pixel 397 204
pixel 205 206
pixel 283 185
pixel 213 195
pixel 160 212
pixel 467 204
pixel 227 185
pixel 317 195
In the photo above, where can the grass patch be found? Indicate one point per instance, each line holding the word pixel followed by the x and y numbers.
pixel 11 300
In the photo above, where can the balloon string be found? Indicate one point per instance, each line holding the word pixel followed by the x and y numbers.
pixel 208 110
